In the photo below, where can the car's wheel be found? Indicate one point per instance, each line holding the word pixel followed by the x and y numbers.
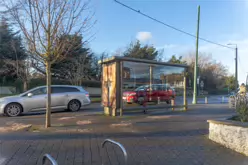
pixel 13 109
pixel 141 100
pixel 74 105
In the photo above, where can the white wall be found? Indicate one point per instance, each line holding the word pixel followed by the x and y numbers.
pixel 233 137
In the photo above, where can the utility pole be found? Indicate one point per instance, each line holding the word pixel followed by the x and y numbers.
pixel 246 79
pixel 236 68
pixel 196 59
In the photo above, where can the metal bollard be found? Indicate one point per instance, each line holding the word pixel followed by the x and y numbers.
pixel 144 107
pixel 206 100
pixel 172 104
pixel 186 106
pixel 158 100
pixel 230 105
pixel 223 99
pixel 231 101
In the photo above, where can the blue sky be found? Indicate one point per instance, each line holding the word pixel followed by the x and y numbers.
pixel 221 21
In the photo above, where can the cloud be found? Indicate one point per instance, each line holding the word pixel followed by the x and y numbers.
pixel 144 36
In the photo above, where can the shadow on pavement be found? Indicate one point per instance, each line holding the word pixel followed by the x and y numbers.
pixel 180 133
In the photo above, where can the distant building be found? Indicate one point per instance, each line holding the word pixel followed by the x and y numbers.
pixel 126 72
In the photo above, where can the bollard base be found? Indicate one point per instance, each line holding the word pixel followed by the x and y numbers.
pixel 172 104
pixel 107 111
pixel 206 100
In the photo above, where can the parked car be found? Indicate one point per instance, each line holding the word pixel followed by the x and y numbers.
pixel 143 93
pixel 62 97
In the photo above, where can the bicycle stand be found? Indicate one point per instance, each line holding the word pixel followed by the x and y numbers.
pixel 106 141
pixel 50 158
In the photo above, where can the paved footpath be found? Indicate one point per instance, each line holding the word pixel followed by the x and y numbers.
pixel 171 138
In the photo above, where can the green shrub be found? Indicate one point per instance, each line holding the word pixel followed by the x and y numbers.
pixel 18 84
pixel 242 108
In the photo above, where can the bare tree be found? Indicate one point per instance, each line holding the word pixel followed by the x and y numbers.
pixel 44 23
pixel 79 66
pixel 23 67
pixel 23 70
pixel 97 68
pixel 215 72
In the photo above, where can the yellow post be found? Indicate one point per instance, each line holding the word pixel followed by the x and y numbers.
pixel 185 93
pixel 121 85
pixel 107 111
pixel 113 111
pixel 172 104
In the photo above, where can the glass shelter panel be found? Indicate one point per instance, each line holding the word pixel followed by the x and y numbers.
pixel 156 85
pixel 168 84
pixel 136 79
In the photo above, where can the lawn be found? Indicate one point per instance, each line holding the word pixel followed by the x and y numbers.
pixel 202 96
pixel 4 95
pixel 96 99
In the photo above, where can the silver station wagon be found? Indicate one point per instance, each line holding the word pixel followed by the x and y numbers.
pixel 62 97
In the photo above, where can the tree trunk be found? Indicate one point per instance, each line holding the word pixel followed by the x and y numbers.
pixel 48 103
pixel 25 85
pixel 80 82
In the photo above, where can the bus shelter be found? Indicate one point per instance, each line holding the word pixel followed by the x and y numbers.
pixel 129 84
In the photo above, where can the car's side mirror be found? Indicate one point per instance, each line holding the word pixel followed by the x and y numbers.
pixel 30 94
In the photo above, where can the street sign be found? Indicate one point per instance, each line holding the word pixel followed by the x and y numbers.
pixel 202 84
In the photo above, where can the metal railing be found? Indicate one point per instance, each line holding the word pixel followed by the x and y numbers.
pixel 117 144
pixel 50 158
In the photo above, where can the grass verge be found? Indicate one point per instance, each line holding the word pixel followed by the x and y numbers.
pixel 96 99
pixel 5 95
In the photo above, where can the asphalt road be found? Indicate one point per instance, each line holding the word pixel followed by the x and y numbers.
pixel 157 138
pixel 96 108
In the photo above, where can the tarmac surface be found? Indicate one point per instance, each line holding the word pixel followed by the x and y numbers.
pixel 160 137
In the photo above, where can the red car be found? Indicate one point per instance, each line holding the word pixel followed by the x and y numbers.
pixel 143 93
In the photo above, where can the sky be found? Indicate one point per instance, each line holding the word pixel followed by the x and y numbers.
pixel 221 21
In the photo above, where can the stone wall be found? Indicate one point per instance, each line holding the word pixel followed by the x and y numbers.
pixel 231 134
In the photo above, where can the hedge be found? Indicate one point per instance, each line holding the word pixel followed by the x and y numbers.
pixel 41 81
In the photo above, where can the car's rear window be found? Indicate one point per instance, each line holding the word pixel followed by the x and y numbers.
pixel 141 88
pixel 64 89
